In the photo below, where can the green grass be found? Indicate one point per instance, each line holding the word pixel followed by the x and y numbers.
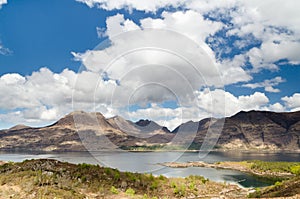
pixel 288 167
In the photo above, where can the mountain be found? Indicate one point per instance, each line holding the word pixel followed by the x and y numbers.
pixel 262 129
pixel 81 131
pixel 252 130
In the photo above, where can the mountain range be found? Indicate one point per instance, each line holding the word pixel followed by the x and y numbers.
pixel 82 131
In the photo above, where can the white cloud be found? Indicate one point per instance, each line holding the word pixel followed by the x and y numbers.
pixel 271 52
pixel 45 96
pixel 219 102
pixel 268 84
pixel 101 32
pixel 277 107
pixel 148 6
pixel 4 50
pixel 181 22
pixel 292 102
pixel 215 103
pixel 166 58
pixel 149 58
pixel 274 24
pixel 153 48
pixel 171 118
pixel 2 2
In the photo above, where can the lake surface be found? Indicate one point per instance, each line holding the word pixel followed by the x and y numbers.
pixel 148 162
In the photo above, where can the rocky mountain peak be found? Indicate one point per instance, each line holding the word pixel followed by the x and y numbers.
pixel 143 122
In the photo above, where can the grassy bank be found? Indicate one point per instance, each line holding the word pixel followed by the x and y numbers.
pixel 46 178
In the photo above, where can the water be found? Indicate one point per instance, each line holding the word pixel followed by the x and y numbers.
pixel 148 162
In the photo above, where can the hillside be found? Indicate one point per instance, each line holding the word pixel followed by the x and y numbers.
pixel 45 178
pixel 81 131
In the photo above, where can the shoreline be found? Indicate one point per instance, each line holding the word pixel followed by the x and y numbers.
pixel 179 150
pixel 241 166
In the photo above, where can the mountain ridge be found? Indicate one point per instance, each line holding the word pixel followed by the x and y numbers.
pixel 79 130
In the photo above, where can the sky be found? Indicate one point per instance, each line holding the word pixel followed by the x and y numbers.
pixel 169 61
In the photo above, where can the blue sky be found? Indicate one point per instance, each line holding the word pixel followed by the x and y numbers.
pixel 44 44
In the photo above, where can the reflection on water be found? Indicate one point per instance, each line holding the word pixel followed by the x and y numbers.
pixel 148 162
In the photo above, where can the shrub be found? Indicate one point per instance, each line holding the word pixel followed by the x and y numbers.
pixel 278 183
pixel 130 192
pixel 295 170
pixel 256 194
pixel 154 185
pixel 161 177
pixel 84 166
pixel 107 171
pixel 114 190
pixel 180 190
pixel 117 176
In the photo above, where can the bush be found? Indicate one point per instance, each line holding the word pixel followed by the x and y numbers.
pixel 180 190
pixel 273 166
pixel 278 184
pixel 256 194
pixel 130 192
pixel 117 175
pixel 296 170
pixel 84 166
pixel 114 190
pixel 154 185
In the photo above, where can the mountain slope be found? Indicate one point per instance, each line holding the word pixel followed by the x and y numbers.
pixel 81 131
pixel 260 130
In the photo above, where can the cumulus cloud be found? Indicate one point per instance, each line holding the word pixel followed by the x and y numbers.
pixel 292 102
pixel 210 103
pixel 268 84
pixel 189 57
pixel 148 6
pixel 2 2
pixel 169 58
pixel 274 24
pixel 150 62
pixel 180 21
pixel 43 95
pixel 277 107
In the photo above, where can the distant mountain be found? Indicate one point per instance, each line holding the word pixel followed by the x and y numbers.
pixel 258 130
pixel 81 131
